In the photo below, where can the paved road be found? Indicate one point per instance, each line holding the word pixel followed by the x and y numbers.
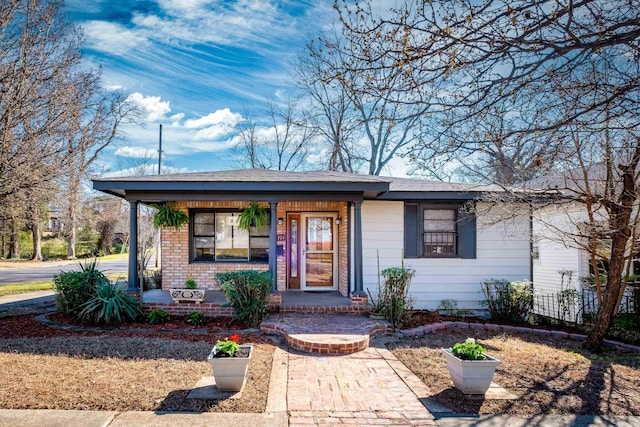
pixel 46 272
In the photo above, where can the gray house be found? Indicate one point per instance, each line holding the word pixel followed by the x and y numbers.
pixel 332 232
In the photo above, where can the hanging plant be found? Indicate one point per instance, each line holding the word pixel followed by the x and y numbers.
pixel 167 215
pixel 253 215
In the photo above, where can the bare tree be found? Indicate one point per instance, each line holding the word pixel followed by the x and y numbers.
pixel 39 49
pixel 569 70
pixel 96 121
pixel 332 109
pixel 390 122
pixel 283 141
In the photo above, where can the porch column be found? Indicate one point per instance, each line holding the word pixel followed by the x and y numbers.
pixel 273 246
pixel 357 248
pixel 133 246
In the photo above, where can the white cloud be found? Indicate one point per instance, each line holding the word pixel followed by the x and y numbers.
pixel 136 152
pixel 111 37
pixel 220 117
pixel 153 108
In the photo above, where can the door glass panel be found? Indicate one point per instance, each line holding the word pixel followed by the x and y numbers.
pixel 319 269
pixel 294 248
pixel 319 236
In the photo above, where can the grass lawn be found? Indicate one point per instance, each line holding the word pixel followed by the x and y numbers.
pixel 21 288
pixel 549 375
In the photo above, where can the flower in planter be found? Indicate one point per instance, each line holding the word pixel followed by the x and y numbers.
pixel 228 347
pixel 469 350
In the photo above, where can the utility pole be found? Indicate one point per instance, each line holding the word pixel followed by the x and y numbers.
pixel 160 151
pixel 159 235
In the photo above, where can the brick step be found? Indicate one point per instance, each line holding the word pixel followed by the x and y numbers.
pixel 328 343
pixel 325 333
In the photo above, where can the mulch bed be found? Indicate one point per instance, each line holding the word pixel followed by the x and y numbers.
pixel 550 375
pixel 120 368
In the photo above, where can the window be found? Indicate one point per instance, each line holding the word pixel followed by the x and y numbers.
pixel 535 248
pixel 215 236
pixel 439 230
pixel 440 234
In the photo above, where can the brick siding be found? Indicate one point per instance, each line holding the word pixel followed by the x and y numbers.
pixel 175 247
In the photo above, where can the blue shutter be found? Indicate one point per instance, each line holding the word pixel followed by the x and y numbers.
pixel 467 235
pixel 411 231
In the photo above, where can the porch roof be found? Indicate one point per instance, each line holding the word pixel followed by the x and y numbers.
pixel 262 184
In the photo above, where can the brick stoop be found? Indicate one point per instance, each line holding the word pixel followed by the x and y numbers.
pixel 325 333
pixel 183 309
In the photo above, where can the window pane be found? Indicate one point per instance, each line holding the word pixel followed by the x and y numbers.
pixel 439 220
pixel 204 248
pixel 231 242
pixel 319 236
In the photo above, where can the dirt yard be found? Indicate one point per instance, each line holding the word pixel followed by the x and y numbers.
pixel 549 376
pixel 49 368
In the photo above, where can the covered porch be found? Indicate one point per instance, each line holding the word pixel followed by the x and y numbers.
pixel 215 303
pixel 313 241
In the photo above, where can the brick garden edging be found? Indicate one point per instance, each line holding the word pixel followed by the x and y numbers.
pixel 433 327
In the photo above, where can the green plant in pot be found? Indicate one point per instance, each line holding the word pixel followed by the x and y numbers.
pixel 470 368
pixel 168 215
pixel 254 215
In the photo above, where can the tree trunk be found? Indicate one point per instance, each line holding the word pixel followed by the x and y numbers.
pixel 71 232
pixel 37 243
pixel 619 220
pixel 14 240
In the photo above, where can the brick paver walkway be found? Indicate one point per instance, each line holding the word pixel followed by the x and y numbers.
pixel 360 389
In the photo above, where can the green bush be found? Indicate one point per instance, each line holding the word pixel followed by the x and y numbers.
pixel 74 288
pixel 195 318
pixel 510 301
pixel 110 304
pixel 393 296
pixel 248 293
pixel 157 316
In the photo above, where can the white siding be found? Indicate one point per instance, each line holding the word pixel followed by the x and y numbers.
pixel 557 253
pixel 502 252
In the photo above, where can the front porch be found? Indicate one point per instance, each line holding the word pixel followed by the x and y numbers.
pixel 214 305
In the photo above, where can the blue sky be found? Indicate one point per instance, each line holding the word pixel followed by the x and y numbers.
pixel 196 66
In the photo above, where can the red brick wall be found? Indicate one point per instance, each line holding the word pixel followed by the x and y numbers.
pixel 175 247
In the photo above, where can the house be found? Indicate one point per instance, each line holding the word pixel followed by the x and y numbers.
pixel 561 232
pixel 332 231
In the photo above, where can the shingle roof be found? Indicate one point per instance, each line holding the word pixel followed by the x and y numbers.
pixel 272 181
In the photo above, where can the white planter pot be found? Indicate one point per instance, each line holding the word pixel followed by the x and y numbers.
pixel 195 295
pixel 230 372
pixel 471 376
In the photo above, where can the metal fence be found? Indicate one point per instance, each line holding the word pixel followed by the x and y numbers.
pixel 576 308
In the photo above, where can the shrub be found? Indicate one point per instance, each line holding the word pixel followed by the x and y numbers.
pixel 157 316
pixel 248 293
pixel 195 318
pixel 110 304
pixel 190 283
pixel 393 296
pixel 468 350
pixel 510 301
pixel 74 288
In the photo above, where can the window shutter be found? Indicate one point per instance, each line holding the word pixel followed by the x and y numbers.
pixel 411 233
pixel 467 235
